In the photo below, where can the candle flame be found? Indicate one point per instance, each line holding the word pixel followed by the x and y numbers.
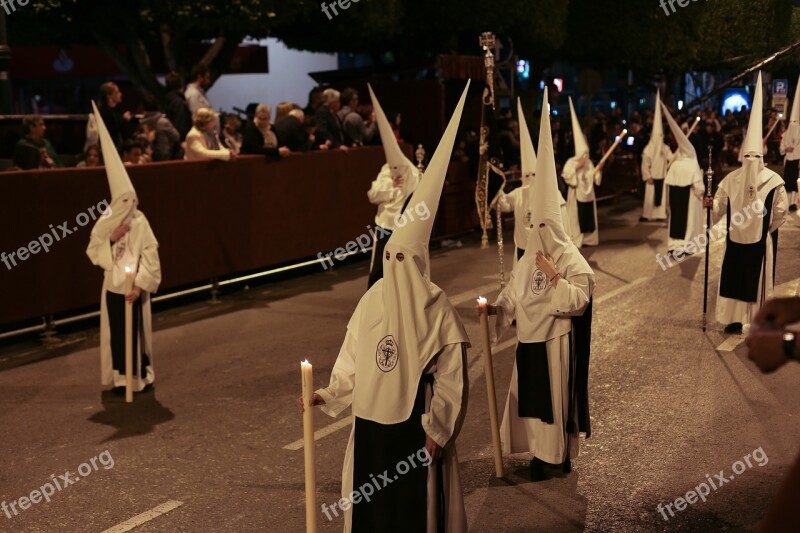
pixel 624 132
pixel 697 119
pixel 305 363
pixel 481 300
pixel 128 270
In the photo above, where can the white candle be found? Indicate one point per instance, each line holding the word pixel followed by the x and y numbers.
pixel 610 151
pixel 307 374
pixel 696 122
pixel 774 125
pixel 488 371
pixel 128 337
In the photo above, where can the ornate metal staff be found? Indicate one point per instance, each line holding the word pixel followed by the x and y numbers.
pixel 709 182
pixel 491 178
pixel 420 155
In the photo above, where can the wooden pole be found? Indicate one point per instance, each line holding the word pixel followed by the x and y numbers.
pixel 488 371
pixel 128 337
pixel 309 446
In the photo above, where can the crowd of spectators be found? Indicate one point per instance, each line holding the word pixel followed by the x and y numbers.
pixel 186 127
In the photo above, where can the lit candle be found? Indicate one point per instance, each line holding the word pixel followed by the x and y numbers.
pixel 128 336
pixel 696 122
pixel 610 151
pixel 774 125
pixel 488 371
pixel 307 373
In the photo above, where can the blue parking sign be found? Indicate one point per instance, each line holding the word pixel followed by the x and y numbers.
pixel 780 86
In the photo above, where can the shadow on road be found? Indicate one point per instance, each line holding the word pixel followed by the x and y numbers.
pixel 131 419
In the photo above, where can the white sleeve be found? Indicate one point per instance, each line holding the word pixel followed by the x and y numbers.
pixel 506 307
pixel 720 208
pixel 198 147
pixel 698 186
pixel 780 204
pixel 449 369
pixel 598 177
pixel 148 276
pixel 339 392
pixel 503 204
pixel 569 174
pixel 647 162
pixel 382 189
pixel 571 296
pixel 99 252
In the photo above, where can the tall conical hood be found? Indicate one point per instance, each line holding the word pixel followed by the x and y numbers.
pixel 395 157
pixel 526 146
pixel 684 145
pixel 547 229
pixel 581 146
pixel 657 135
pixel 795 116
pixel 118 180
pixel 754 140
pixel 416 233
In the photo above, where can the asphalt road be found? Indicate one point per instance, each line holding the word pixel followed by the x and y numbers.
pixel 210 449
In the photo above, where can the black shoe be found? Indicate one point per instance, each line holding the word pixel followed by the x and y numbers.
pixel 118 391
pixel 537 470
pixel 734 327
pixel 792 207
pixel 642 219
pixel 149 387
pixel 566 466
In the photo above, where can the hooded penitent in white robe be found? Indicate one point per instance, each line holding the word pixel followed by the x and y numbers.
pixel 753 201
pixel 389 199
pixel 581 203
pixel 137 250
pixel 544 322
pixel 655 160
pixel 790 148
pixel 405 335
pixel 685 190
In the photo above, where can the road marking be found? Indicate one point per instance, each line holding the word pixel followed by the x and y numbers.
pixel 146 516
pixel 730 343
pixel 190 311
pixel 324 432
pixel 620 290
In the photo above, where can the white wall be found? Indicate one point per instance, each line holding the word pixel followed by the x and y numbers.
pixel 287 80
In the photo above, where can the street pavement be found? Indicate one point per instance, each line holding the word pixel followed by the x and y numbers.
pixel 215 446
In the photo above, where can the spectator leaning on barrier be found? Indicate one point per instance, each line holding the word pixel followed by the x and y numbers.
pixel 356 131
pixel 202 141
pixel 258 135
pixel 291 131
pixel 33 129
pixel 329 129
pixel 165 139
pixel 132 152
pixel 232 133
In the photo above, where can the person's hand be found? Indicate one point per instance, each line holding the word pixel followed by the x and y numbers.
pixel 397 181
pixel 120 232
pixel 581 163
pixel 650 181
pixel 133 295
pixel 434 450
pixel 490 309
pixel 778 313
pixel 765 349
pixel 284 151
pixel 546 264
pixel 316 399
pixel 233 155
pixel 343 148
pixel 708 202
pixel 127 115
pixel 790 149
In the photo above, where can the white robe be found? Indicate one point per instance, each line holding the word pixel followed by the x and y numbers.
pixel 442 422
pixel 548 442
pixel 651 171
pixel 581 189
pixel 144 246
pixel 728 310
pixel 517 201
pixel 685 171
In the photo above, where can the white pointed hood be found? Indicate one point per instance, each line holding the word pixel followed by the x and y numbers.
pixel 527 153
pixel 395 157
pixel 656 144
pixel 685 146
pixel 754 140
pixel 535 320
pixel 795 116
pixel 404 319
pixel 123 196
pixel 581 146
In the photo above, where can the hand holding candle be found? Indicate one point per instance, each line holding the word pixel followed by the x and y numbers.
pixel 307 374
pixel 128 336
pixel 483 311
pixel 610 151
pixel 691 130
